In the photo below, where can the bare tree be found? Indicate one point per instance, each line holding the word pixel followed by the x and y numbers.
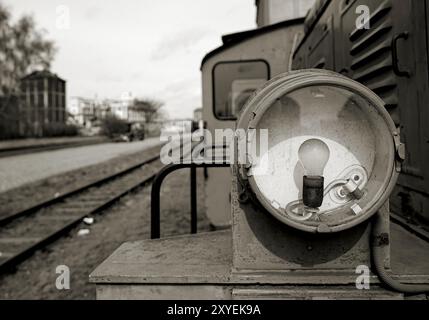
pixel 150 107
pixel 23 48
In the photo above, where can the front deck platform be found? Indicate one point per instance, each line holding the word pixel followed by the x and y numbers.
pixel 196 266
pixel 200 267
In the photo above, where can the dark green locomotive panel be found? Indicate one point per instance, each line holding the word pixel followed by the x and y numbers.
pixel 391 58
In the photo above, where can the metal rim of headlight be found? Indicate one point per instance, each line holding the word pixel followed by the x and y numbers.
pixel 291 81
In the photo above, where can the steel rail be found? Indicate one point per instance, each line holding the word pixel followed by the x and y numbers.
pixel 19 256
pixel 53 200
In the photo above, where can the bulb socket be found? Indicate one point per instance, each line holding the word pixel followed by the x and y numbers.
pixel 312 191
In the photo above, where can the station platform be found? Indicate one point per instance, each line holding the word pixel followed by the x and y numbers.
pixel 200 267
pixel 20 170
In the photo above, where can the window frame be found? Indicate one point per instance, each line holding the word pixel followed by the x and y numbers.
pixel 232 118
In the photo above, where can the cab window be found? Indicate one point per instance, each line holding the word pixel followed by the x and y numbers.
pixel 234 83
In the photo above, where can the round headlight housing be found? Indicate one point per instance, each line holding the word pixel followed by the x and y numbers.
pixel 329 159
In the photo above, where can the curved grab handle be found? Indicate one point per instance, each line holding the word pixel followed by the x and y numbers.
pixel 400 73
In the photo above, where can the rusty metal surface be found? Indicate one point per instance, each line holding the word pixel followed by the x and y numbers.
pixel 262 243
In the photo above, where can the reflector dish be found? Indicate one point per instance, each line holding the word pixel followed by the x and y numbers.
pixel 347 117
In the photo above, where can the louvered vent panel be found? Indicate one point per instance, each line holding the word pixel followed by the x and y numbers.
pixel 371 57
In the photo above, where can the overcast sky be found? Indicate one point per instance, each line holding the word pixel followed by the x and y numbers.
pixel 147 47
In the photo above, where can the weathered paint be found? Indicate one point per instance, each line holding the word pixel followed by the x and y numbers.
pixel 274 47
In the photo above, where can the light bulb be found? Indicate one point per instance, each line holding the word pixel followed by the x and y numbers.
pixel 313 155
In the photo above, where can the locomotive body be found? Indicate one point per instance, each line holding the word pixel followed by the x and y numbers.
pixel 230 74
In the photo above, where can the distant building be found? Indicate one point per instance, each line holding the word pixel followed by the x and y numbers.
pixel 83 110
pixel 273 11
pixel 123 109
pixel 136 115
pixel 9 118
pixel 175 126
pixel 42 102
pixel 87 112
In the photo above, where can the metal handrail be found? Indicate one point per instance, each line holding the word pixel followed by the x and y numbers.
pixel 155 222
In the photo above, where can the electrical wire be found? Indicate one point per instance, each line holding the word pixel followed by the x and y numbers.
pixel 308 213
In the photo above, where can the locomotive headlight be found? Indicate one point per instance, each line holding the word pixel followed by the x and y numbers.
pixel 330 161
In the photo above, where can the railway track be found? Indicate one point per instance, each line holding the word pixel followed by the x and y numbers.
pixel 26 231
